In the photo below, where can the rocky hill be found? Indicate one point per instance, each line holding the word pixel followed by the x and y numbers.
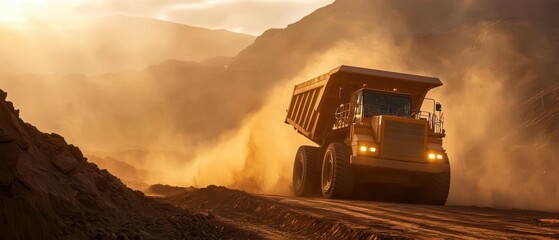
pixel 48 190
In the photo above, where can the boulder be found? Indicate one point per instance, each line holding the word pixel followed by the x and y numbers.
pixel 65 162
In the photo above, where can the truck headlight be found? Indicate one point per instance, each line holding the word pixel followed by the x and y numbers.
pixel 368 149
pixel 433 156
pixel 363 148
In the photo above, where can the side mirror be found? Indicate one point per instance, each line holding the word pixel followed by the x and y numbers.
pixel 438 107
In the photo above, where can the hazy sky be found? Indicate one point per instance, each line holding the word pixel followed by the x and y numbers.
pixel 248 16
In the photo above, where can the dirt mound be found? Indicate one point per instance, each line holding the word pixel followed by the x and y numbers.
pixel 280 217
pixel 49 190
pixel 270 215
pixel 166 190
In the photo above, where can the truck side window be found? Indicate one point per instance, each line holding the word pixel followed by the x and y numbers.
pixel 358 107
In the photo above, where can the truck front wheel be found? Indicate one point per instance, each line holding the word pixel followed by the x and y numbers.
pixel 337 179
pixel 306 178
pixel 436 190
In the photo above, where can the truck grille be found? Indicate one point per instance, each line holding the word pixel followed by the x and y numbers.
pixel 403 141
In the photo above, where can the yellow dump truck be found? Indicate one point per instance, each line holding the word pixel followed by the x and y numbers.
pixel 371 126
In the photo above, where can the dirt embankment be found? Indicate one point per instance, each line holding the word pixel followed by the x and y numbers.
pixel 48 190
pixel 316 218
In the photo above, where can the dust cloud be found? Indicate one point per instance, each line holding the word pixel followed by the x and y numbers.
pixel 109 87
pixel 257 157
pixel 491 69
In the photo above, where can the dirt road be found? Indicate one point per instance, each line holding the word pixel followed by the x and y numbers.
pixel 280 217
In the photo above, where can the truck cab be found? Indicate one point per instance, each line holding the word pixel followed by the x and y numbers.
pixel 384 131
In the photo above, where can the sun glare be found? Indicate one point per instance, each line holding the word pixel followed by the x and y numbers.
pixel 19 11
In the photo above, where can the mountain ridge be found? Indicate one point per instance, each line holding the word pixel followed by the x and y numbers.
pixel 112 44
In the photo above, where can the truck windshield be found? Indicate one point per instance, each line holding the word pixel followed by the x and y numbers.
pixel 385 104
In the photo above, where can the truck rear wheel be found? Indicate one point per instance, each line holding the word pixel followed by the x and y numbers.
pixel 436 190
pixel 337 179
pixel 306 178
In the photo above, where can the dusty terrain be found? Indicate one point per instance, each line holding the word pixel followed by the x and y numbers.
pixel 280 217
pixel 498 62
pixel 49 190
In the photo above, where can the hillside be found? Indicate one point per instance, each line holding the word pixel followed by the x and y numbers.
pixel 110 44
pixel 404 27
pixel 48 190
pixel 165 111
pixel 169 98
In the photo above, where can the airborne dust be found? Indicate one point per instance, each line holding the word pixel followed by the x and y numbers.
pixel 491 70
pixel 496 160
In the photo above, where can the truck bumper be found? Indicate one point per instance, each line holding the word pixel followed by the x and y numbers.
pixel 379 163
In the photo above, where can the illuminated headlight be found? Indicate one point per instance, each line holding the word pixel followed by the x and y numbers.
pixel 435 156
pixel 363 148
pixel 368 149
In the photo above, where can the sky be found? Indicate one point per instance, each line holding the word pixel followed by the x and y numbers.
pixel 246 16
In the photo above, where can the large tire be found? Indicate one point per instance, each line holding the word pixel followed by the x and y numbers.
pixel 436 190
pixel 306 176
pixel 337 180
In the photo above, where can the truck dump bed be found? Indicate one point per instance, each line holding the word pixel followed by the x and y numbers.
pixel 313 104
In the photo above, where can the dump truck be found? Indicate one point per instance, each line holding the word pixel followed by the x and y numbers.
pixel 371 126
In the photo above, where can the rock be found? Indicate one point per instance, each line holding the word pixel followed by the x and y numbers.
pixel 10 106
pixel 57 136
pixel 23 145
pixel 76 152
pixel 65 163
pixel 6 176
pixel 101 234
pixel 9 155
pixel 5 138
pixel 121 236
pixel 3 95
